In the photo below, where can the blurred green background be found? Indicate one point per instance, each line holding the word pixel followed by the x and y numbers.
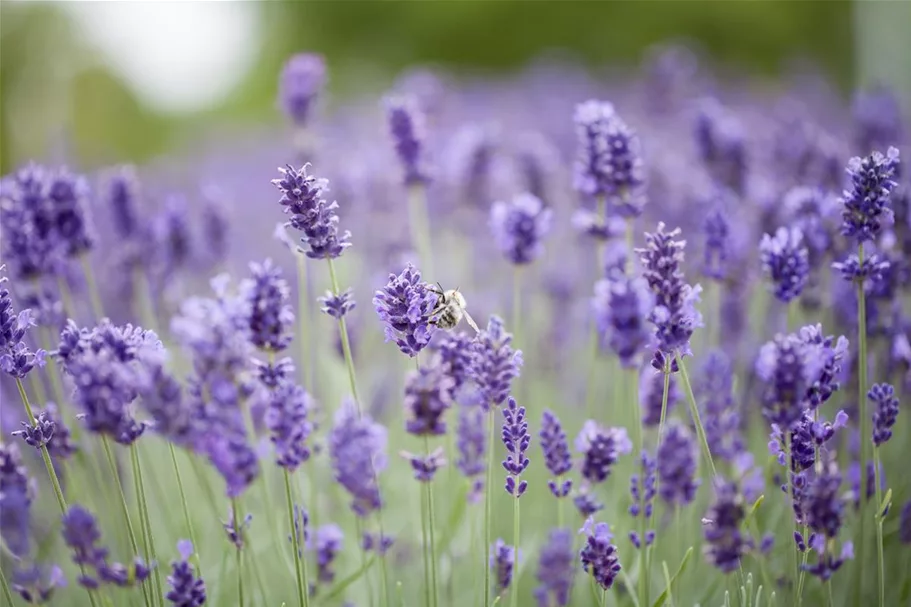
pixel 69 70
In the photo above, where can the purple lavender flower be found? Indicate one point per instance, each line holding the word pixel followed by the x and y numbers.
pixel 425 466
pixel 171 234
pixel 15 500
pixel 715 255
pixel 877 118
pixel 288 421
pixel 357 447
pixel 328 545
pixel 870 271
pixel 586 503
pixel 786 366
pixel 495 364
pixel 720 416
pixel 904 526
pixel 337 306
pixel 122 198
pixel 516 439
pixel 651 395
pixel 406 305
pixel 822 505
pixel 555 569
pixel 302 80
pixel 302 197
pixel 886 411
pixel 503 561
pixel 720 143
pixel 187 590
pixel 674 315
pixel 608 161
pixel 519 227
pixel 235 531
pixel 375 542
pixel 677 466
pixel 301 529
pixel 725 543
pixel 785 262
pixel 866 203
pixel 163 399
pixel 234 459
pixel 455 355
pixel 271 317
pixel 827 563
pixel 406 125
pixel 37 585
pixel 829 351
pixel 16 358
pixel 216 227
pixel 535 159
pixel 600 447
pixel 811 210
pixel 808 436
pixel 599 556
pixel 30 243
pixel 38 434
pixel 428 395
pixel 643 487
pixel 557 458
pixel 68 197
pixel 471 442
pixel 621 306
pixel 60 445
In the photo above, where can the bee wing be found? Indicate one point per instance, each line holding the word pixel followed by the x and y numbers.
pixel 471 321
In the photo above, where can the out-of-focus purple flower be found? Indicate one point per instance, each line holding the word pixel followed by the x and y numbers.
pixel 234 459
pixel 586 503
pixel 428 395
pixel 187 590
pixel 494 364
pixel 651 395
pixel 869 491
pixel 357 447
pixel 557 458
pixel 375 542
pixel 830 352
pixel 235 530
pixel 621 305
pixel 110 366
pixel 599 556
pixel 60 445
pixel 516 439
pixel 474 150
pixel 904 526
pixel 36 585
pixel 271 317
pixel 877 119
pixel 717 247
pixel 68 194
pixel 455 355
pixel 171 232
pixel 302 198
pixel 38 434
pixel 784 259
pixel 520 226
pixel 405 305
pixel 425 466
pixel 827 563
pixel 301 531
pixel 122 198
pixel 886 411
pixel 643 487
pixel 471 442
pixel 30 243
pixel 808 436
pixel 406 125
pixel 725 543
pixel 15 500
pixel 163 399
pixel 720 416
pixel 216 227
pixel 599 227
pixel 789 368
pixel 503 561
pixel 328 544
pixel 677 466
pixel 811 210
pixel 301 81
pixel 289 425
pixel 536 159
pixel 608 158
pixel 600 448
pixel 16 358
pixel 866 203
pixel 869 272
pixel 822 505
pixel 337 306
pixel 675 315
pixel 720 143
pixel 555 569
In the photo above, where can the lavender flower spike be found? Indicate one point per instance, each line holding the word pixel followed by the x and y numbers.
pixel 555 569
pixel 301 81
pixel 503 561
pixel 405 305
pixel 428 395
pixel 599 556
pixel 357 448
pixel 725 543
pixel 621 306
pixel 187 590
pixel 677 466
pixel 494 363
pixel 557 458
pixel 16 358
pixel 886 411
pixel 515 438
pixel 271 317
pixel 785 262
pixel 601 447
pixel 519 227
pixel 866 203
pixel 288 421
pixel 302 197
pixel 406 125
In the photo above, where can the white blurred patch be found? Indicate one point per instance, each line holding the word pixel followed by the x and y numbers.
pixel 178 56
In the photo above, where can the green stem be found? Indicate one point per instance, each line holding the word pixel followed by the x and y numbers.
pixel 303 596
pixel 863 405
pixel 303 323
pixel 516 303
pixel 694 411
pixel 58 492
pixel 426 552
pixel 487 505
pixel 145 520
pixel 880 560
pixel 514 592
pixel 430 525
pixel 560 508
pixel 346 344
pixel 142 295
pixel 791 308
pixel 6 589
pixel 787 468
pixel 66 296
pixel 642 582
pixel 94 295
pixel 186 509
pixel 420 227
pixel 238 528
pixel 38 388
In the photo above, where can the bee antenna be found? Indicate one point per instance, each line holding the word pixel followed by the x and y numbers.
pixel 441 288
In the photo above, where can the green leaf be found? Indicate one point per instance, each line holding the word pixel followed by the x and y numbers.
pixel 667 580
pixel 341 586
pixel 758 602
pixel 754 508
pixel 455 520
pixel 667 591
pixel 884 505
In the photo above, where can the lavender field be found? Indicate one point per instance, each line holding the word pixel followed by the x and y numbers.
pixel 245 373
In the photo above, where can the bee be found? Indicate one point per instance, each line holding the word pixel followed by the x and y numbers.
pixel 450 309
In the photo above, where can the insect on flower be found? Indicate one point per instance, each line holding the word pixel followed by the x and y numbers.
pixel 450 309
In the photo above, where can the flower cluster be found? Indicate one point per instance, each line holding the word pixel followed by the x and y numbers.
pixel 600 448
pixel 406 125
pixel 866 203
pixel 885 412
pixel 555 569
pixel 494 363
pixel 16 358
pixel 302 198
pixel 726 543
pixel 271 317
pixel 187 590
pixel 599 556
pixel 621 306
pixel 428 395
pixel 405 305
pixel 519 227
pixel 337 306
pixel 557 458
pixel 516 439
pixel 784 259
pixel 302 80
pixel 503 561
pixel 643 487
pixel 357 447
pixel 677 466
pixel 288 420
